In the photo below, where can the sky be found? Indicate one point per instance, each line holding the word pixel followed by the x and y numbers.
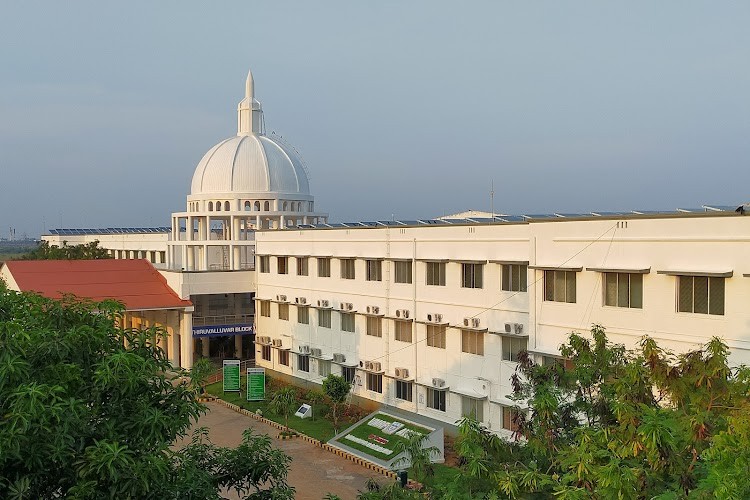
pixel 399 109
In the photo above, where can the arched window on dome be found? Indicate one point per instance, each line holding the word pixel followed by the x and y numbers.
pixel 299 206
pixel 311 207
pixel 226 206
pixel 247 206
pixel 257 206
pixel 266 206
pixel 284 207
pixel 210 206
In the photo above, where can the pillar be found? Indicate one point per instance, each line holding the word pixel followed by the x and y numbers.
pixel 172 326
pixel 204 347
pixel 186 339
pixel 238 346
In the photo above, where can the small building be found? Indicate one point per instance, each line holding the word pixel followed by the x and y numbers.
pixel 147 298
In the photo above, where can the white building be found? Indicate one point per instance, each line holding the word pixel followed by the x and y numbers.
pixel 429 316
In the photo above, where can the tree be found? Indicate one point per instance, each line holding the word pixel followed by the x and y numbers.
pixel 284 402
pixel 84 251
pixel 314 397
pixel 199 373
pixel 91 410
pixel 337 389
pixel 417 456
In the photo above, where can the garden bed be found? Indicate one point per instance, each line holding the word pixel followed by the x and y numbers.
pixel 379 435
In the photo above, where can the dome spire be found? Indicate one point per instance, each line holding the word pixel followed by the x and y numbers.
pixel 249 111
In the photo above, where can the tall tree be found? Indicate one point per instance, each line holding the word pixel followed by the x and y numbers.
pixel 83 251
pixel 90 410
pixel 284 402
pixel 337 389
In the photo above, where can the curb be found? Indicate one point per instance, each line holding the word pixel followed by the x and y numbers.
pixel 330 448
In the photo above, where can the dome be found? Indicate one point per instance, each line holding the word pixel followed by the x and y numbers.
pixel 250 163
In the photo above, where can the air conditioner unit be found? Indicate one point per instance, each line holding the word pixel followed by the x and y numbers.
pixel 316 352
pixel 338 357
pixel 471 322
pixel 281 298
pixel 264 339
pixel 368 365
pixel 402 373
pixel 373 310
pixel 277 342
pixel 323 303
pixel 434 317
pixel 300 300
pixel 304 349
pixel 518 328
pixel 438 382
pixel 375 366
pixel 346 306
pixel 508 327
pixel 402 313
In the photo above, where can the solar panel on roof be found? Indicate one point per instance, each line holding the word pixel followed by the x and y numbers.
pixel 387 223
pixel 540 216
pixel 411 222
pixel 691 210
pixel 572 215
pixel 721 208
pixel 481 220
pixel 512 218
pixel 336 224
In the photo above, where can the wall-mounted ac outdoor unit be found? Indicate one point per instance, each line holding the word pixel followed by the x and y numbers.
pixel 373 310
pixel 323 303
pixel 375 366
pixel 368 365
pixel 402 372
pixel 508 327
pixel 316 352
pixel 281 298
pixel 346 306
pixel 304 349
pixel 338 357
pixel 402 313
pixel 277 342
pixel 434 317
pixel 518 328
pixel 300 300
pixel 262 339
pixel 471 322
pixel 438 382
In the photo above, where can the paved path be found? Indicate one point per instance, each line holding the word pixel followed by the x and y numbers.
pixel 313 471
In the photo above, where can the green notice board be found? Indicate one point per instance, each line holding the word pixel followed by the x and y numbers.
pixel 231 375
pixel 256 384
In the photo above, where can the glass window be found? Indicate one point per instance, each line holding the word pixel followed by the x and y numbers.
pixel 374 326
pixel 284 312
pixel 623 290
pixel 303 363
pixel 348 373
pixel 471 275
pixel 347 322
pixel 302 266
pixel 403 390
pixel 509 418
pixel 283 357
pixel 375 382
pixel 436 399
pixel 402 271
pixel 512 346
pixel 472 342
pixel 402 330
pixel 324 318
pixel 264 263
pixel 435 273
pixel 436 336
pixel 560 286
pixel 265 308
pixel 282 265
pixel 700 294
pixel 514 277
pixel 265 352
pixel 471 407
pixel 347 269
pixel 303 315
pixel 374 270
pixel 324 267
pixel 324 367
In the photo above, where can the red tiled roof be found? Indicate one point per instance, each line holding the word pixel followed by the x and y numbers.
pixel 135 283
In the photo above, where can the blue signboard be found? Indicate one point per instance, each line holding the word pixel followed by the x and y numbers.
pixel 222 330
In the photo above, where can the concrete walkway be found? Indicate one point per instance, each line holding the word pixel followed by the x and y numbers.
pixel 314 472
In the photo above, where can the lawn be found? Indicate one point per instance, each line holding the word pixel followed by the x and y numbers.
pixel 368 432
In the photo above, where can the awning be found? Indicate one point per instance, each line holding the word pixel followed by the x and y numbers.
pixel 463 327
pixel 557 268
pixel 469 392
pixel 510 262
pixel 433 260
pixel 428 383
pixel 710 274
pixel 470 261
pixel 620 269
pixel 501 400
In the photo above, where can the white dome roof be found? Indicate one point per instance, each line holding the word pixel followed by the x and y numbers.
pixel 250 163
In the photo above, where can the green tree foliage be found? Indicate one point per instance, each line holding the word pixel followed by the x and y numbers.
pixel 314 397
pixel 84 251
pixel 284 403
pixel 89 410
pixel 623 424
pixel 392 491
pixel 417 456
pixel 200 372
pixel 337 389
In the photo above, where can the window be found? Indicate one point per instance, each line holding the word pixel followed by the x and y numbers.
pixel 282 265
pixel 301 266
pixel 435 273
pixel 264 263
pixel 623 290
pixel 375 382
pixel 374 270
pixel 471 407
pixel 510 416
pixel 471 275
pixel 514 277
pixel 472 342
pixel 303 315
pixel 374 326
pixel 284 312
pixel 436 336
pixel 265 352
pixel 324 318
pixel 436 399
pixel 324 368
pixel 402 271
pixel 402 331
pixel 700 294
pixel 348 373
pixel 266 206
pixel 403 390
pixel 560 286
pixel 512 346
pixel 303 363
pixel 283 357
pixel 567 364
pixel 324 267
pixel 265 308
pixel 347 269
pixel 347 322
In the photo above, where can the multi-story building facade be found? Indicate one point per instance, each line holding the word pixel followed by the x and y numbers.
pixel 430 316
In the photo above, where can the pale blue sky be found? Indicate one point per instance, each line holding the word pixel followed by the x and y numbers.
pixel 406 108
